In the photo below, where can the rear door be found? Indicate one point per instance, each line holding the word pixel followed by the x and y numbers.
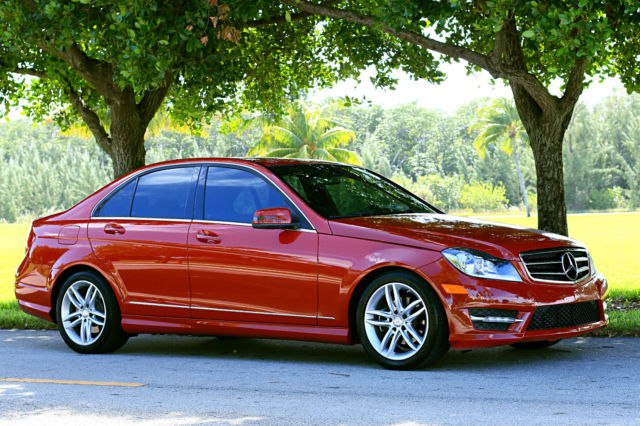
pixel 246 274
pixel 140 234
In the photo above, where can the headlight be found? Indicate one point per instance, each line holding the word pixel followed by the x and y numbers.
pixel 482 265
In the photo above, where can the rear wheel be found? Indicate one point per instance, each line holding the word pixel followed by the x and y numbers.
pixel 539 344
pixel 401 323
pixel 88 315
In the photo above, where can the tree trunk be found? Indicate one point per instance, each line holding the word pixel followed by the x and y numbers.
pixel 514 153
pixel 546 143
pixel 127 137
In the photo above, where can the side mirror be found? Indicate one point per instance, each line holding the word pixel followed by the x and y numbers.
pixel 275 218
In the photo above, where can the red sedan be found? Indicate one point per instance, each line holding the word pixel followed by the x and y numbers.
pixel 296 249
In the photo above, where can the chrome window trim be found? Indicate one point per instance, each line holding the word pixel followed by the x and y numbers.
pixel 200 164
pixel 561 249
pixel 162 219
pixel 135 176
pixel 222 222
pixel 250 169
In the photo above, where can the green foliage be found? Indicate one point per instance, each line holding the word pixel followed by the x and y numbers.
pixel 500 124
pixel 602 152
pixel 42 171
pixel 482 197
pixel 306 132
pixel 204 47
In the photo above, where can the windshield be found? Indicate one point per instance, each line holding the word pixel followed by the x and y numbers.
pixel 337 191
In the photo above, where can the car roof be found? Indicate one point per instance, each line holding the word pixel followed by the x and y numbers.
pixel 263 161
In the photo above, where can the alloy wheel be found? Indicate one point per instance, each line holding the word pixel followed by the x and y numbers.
pixel 83 312
pixel 396 321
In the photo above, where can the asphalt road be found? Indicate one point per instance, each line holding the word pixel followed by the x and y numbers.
pixel 195 380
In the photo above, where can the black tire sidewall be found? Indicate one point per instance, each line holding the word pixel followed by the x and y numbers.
pixel 436 341
pixel 112 323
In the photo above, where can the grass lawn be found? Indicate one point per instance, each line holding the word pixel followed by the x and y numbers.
pixel 13 238
pixel 612 240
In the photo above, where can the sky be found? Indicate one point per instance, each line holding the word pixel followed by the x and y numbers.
pixel 456 90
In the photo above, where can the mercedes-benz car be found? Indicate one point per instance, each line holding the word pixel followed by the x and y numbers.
pixel 295 249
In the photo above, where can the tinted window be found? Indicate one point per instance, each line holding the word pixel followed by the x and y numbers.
pixel 164 194
pixel 336 191
pixel 119 204
pixel 233 195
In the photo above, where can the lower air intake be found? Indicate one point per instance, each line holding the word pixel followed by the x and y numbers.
pixel 563 316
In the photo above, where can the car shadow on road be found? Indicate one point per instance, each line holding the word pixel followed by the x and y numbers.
pixel 354 355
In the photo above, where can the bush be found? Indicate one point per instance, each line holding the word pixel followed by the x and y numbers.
pixel 482 196
pixel 605 199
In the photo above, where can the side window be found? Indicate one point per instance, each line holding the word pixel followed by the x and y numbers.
pixel 233 195
pixel 119 203
pixel 164 194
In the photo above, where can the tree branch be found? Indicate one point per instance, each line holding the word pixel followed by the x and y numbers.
pixel 91 119
pixel 152 99
pixel 493 63
pixel 98 74
pixel 452 50
pixel 575 85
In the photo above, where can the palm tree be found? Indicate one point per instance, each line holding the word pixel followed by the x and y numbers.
pixel 306 132
pixel 500 123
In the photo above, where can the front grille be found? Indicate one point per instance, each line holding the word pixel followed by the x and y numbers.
pixel 566 315
pixel 487 312
pixel 563 264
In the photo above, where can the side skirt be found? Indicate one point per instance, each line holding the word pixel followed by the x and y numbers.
pixel 137 324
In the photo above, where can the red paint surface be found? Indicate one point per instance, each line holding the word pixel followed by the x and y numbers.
pixel 298 285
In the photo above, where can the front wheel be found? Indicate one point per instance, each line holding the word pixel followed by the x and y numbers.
pixel 88 315
pixel 401 322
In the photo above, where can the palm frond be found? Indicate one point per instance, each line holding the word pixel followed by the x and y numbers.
pixel 336 137
pixel 345 156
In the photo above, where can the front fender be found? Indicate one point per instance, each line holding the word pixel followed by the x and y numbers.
pixel 343 262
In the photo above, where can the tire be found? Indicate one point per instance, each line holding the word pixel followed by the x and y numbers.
pixel 412 337
pixel 88 314
pixel 539 344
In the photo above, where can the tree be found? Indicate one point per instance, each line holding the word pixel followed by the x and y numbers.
pixel 529 44
pixel 112 63
pixel 306 132
pixel 500 123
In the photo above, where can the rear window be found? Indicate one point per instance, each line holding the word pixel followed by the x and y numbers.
pixel 119 203
pixel 164 194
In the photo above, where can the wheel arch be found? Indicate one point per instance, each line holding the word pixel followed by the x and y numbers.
pixel 69 271
pixel 366 279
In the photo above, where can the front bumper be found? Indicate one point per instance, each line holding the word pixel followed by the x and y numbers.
pixel 523 297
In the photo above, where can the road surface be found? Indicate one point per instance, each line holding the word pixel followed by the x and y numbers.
pixel 204 380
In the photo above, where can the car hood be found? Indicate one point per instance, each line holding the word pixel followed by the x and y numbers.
pixel 440 231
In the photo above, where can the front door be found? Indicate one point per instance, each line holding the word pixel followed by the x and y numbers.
pixel 241 273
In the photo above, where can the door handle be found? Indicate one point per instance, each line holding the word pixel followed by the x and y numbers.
pixel 208 237
pixel 113 228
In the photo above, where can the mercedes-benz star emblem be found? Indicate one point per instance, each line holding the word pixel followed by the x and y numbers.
pixel 570 266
